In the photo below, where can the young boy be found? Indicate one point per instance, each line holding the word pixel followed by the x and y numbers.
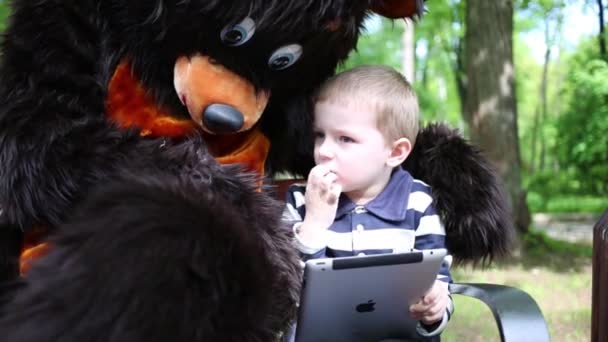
pixel 358 200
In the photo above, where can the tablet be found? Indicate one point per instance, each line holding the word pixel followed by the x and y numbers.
pixel 364 298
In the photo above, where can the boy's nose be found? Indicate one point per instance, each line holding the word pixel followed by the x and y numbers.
pixel 325 150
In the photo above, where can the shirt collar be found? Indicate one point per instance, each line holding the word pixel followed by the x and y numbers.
pixel 390 204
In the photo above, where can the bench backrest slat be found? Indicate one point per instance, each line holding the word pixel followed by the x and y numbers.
pixel 599 298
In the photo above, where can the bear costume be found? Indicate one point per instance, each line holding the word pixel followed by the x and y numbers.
pixel 191 251
pixel 120 126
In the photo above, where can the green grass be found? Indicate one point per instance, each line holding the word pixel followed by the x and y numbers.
pixel 540 250
pixel 566 204
pixel 577 204
pixel 556 274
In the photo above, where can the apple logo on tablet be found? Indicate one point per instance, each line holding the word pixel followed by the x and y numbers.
pixel 366 307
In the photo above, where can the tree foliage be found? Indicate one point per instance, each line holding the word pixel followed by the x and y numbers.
pixel 583 125
pixel 440 64
pixel 4 12
pixel 381 44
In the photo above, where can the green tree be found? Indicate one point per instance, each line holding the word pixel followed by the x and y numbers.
pixel 434 81
pixel 582 126
pixel 440 64
pixel 550 13
pixel 380 44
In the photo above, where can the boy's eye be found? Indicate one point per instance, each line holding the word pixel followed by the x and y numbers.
pixel 319 135
pixel 346 139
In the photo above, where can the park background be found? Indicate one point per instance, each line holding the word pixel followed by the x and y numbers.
pixel 527 81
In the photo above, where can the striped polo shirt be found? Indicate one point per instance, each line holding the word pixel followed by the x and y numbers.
pixel 400 218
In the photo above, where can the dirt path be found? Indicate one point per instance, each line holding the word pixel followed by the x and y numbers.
pixel 570 227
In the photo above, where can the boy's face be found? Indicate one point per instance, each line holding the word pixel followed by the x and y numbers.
pixel 349 143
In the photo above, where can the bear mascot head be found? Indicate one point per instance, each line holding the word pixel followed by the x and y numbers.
pixel 136 138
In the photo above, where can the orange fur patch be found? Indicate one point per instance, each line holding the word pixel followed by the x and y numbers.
pixel 129 105
pixel 33 248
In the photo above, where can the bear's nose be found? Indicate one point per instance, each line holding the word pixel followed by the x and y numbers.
pixel 221 118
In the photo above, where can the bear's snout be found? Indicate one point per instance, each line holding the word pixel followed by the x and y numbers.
pixel 221 118
pixel 233 105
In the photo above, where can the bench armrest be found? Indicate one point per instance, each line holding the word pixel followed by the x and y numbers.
pixel 516 313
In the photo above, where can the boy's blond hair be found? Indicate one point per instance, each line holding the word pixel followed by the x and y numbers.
pixel 384 90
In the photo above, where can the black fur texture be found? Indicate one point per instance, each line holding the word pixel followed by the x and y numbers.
pixel 178 250
pixel 10 245
pixel 468 193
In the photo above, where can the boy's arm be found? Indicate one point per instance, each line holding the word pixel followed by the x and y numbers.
pixel 430 234
pixel 294 213
pixel 436 309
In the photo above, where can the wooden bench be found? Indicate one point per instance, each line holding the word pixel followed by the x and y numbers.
pixel 599 297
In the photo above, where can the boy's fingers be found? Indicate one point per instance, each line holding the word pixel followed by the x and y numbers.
pixel 434 313
pixel 320 177
pixel 329 178
pixel 430 320
pixel 319 170
pixel 430 299
pixel 435 293
pixel 418 307
pixel 425 304
pixel 432 316
pixel 334 193
pixel 326 181
pixel 316 183
pixel 336 189
pixel 431 307
pixel 434 310
pixel 315 174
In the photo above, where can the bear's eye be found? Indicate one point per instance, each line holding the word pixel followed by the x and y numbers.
pixel 284 57
pixel 239 34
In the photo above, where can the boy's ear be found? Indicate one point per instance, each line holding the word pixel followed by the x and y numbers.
pixel 400 149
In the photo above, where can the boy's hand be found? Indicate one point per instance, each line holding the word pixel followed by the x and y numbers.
pixel 432 306
pixel 321 197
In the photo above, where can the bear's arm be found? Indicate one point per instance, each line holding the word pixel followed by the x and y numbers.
pixel 54 138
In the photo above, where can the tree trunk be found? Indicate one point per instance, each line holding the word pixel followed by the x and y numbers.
pixel 602 36
pixel 490 105
pixel 549 41
pixel 460 75
pixel 408 49
pixel 425 67
pixel 535 133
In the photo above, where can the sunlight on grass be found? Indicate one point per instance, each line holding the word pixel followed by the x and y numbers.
pixel 472 321
pixel 556 274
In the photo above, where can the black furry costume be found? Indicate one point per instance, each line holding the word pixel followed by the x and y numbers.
pixel 151 239
pixel 171 268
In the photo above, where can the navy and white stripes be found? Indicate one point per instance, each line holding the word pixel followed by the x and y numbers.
pixel 400 218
